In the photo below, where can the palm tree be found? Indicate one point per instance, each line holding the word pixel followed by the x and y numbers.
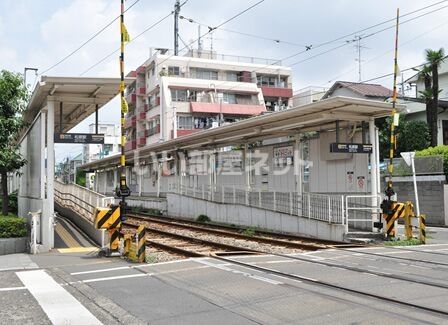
pixel 426 94
pixel 434 58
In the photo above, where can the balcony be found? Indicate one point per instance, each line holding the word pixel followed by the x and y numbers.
pixel 233 109
pixel 131 98
pixel 141 141
pixel 130 122
pixel 182 132
pixel 141 91
pixel 142 116
pixel 147 107
pixel 141 70
pixel 130 145
pixel 157 101
pixel 276 92
pixel 154 130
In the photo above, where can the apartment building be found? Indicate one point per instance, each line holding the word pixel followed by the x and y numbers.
pixel 174 96
pixel 111 146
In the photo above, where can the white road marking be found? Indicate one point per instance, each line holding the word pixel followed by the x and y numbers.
pixel 227 269
pixel 59 305
pixel 101 270
pixel 118 277
pixel 12 288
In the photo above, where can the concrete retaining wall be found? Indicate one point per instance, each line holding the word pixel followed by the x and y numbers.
pixel 147 202
pixel 242 215
pixel 430 194
pixel 13 245
pixel 97 235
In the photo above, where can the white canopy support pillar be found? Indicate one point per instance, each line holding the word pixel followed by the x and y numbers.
pixel 47 222
pixel 298 164
pixel 374 170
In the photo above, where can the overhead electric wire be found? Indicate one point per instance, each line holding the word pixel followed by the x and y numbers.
pixel 218 26
pixel 88 41
pixel 131 40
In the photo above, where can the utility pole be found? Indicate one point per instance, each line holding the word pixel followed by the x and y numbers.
pixel 176 27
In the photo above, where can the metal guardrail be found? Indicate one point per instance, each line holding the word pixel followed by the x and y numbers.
pixel 80 199
pixel 323 207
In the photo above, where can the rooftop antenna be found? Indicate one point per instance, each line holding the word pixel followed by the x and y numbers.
pixel 358 46
pixel 176 27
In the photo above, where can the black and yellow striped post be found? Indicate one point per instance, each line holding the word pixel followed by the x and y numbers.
pixel 109 219
pixel 397 211
pixel 422 219
pixel 141 243
pixel 408 215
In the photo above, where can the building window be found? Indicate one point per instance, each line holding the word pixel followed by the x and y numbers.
pixel 173 71
pixel 179 95
pixel 184 122
pixel 228 98
pixel 206 74
pixel 267 81
pixel 232 76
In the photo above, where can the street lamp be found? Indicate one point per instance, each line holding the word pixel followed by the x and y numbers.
pixel 24 74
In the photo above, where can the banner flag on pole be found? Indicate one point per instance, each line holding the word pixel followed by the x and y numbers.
pixel 126 37
pixel 124 105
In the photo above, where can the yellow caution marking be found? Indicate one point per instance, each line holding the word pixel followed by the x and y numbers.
pixel 78 250
pixel 66 237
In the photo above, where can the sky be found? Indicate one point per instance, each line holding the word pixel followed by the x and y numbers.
pixel 39 33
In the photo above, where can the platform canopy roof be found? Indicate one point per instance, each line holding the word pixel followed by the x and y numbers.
pixel 78 95
pixel 319 116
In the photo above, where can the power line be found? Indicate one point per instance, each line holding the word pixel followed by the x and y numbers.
pixel 133 39
pixel 86 42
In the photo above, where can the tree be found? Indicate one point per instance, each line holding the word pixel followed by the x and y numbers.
pixel 13 99
pixel 426 94
pixel 434 58
pixel 411 136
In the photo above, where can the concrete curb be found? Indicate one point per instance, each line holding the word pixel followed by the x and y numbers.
pixel 13 245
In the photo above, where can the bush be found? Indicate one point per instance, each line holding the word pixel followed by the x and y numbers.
pixel 12 226
pixel 154 212
pixel 436 151
pixel 203 218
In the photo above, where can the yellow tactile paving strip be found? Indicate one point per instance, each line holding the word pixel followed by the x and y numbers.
pixel 73 245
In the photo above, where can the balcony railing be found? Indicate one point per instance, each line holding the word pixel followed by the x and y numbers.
pixel 131 98
pixel 142 116
pixel 130 145
pixel 141 90
pixel 141 70
pixel 276 92
pixel 141 141
pixel 130 122
pixel 154 130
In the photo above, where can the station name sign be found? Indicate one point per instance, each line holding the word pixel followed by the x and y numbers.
pixel 85 138
pixel 350 148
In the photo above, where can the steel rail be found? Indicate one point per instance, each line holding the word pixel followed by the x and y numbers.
pixel 271 241
pixel 332 286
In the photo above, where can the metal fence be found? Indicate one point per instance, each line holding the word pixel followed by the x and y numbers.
pixel 80 199
pixel 328 208
pixel 429 165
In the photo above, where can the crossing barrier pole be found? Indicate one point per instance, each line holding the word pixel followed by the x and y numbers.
pixel 422 228
pixel 408 215
pixel 141 243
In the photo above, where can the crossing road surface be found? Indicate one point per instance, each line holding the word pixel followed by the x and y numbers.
pixel 78 288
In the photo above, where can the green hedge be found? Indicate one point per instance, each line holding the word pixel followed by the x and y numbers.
pixel 12 226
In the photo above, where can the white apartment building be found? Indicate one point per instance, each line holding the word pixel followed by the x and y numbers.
pixel 179 95
pixel 111 146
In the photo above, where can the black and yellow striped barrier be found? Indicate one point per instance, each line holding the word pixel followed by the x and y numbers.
pixel 107 218
pixel 397 211
pixel 422 228
pixel 141 243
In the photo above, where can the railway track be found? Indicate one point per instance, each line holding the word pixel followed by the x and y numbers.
pixel 293 242
pixel 336 287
